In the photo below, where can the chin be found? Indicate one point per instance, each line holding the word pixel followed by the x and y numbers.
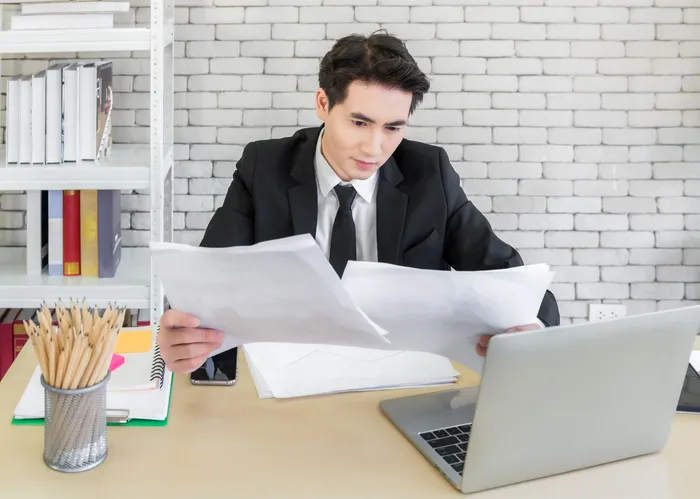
pixel 363 174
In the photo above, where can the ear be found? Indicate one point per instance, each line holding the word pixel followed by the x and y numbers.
pixel 321 104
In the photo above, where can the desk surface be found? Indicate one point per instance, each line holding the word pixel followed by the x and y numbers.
pixel 223 440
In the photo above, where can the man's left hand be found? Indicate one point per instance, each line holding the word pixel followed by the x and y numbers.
pixel 484 339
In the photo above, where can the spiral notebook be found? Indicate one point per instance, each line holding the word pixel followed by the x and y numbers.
pixel 138 392
pixel 140 365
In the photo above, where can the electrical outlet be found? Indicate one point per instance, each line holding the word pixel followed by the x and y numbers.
pixel 605 311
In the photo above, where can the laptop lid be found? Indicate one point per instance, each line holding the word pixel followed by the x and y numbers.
pixel 570 397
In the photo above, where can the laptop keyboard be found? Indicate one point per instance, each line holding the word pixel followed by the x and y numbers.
pixel 450 443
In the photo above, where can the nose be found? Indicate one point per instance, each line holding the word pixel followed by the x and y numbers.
pixel 372 148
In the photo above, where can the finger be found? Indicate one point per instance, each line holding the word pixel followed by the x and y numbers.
pixel 184 336
pixel 484 340
pixel 186 366
pixel 174 318
pixel 481 350
pixel 190 351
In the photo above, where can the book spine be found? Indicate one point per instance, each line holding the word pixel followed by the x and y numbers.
pixel 143 317
pixel 75 7
pixel 25 120
pixel 55 232
pixel 54 103
pixel 5 348
pixel 70 113
pixel 89 96
pixel 37 233
pixel 109 231
pixel 88 233
pixel 19 338
pixel 38 112
pixel 71 233
pixel 12 121
pixel 104 108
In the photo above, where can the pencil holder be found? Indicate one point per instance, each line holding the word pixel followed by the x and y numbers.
pixel 75 427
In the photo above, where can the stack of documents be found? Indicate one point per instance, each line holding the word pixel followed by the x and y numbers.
pixel 285 291
pixel 139 408
pixel 282 370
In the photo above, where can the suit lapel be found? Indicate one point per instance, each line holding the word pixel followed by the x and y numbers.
pixel 302 193
pixel 391 212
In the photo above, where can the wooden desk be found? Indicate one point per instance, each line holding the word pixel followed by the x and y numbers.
pixel 225 442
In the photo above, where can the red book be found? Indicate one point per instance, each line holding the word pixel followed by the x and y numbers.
pixel 7 317
pixel 19 332
pixel 144 318
pixel 71 233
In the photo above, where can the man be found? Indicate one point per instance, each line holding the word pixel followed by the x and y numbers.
pixel 356 185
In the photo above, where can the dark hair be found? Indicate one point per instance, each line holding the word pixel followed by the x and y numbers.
pixel 378 58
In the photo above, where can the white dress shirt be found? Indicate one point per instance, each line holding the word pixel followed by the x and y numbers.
pixel 364 208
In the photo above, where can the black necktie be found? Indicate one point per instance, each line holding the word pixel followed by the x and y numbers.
pixel 343 236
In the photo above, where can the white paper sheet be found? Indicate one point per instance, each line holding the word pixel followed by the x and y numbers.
pixel 283 370
pixel 276 291
pixel 445 312
pixel 285 291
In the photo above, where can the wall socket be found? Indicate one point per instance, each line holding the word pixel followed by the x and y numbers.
pixel 605 311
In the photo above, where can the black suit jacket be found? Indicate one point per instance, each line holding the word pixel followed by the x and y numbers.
pixel 424 218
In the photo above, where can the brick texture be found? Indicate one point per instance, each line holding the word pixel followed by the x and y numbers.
pixel 574 124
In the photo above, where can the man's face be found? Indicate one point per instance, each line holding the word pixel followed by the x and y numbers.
pixel 364 130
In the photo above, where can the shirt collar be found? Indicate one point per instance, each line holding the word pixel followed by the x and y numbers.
pixel 328 179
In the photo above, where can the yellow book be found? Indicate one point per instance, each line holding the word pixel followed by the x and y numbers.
pixel 89 256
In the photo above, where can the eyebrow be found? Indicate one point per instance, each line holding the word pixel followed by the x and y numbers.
pixel 362 117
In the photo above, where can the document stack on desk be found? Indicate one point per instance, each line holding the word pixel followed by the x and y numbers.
pixel 285 291
pixel 282 370
pixel 138 391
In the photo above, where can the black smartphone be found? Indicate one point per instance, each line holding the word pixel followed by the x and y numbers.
pixel 219 370
pixel 689 401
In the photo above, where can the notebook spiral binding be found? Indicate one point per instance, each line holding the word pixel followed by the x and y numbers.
pixel 158 365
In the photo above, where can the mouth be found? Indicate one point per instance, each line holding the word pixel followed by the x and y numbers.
pixel 365 165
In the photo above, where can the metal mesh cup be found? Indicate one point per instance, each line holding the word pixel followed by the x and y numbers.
pixel 75 427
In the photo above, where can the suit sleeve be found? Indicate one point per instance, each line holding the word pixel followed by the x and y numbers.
pixel 471 243
pixel 233 224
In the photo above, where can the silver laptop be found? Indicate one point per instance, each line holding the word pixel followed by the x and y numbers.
pixel 556 400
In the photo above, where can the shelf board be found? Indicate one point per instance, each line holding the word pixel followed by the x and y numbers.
pixel 126 167
pixel 69 40
pixel 130 287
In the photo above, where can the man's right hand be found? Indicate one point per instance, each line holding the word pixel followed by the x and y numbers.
pixel 183 346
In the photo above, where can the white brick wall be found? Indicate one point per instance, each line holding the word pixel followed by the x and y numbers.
pixel 574 124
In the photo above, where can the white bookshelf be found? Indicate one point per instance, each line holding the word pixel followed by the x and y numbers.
pixel 127 167
pixel 130 286
pixel 88 40
pixel 138 166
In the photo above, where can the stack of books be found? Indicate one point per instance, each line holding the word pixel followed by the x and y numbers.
pixel 79 233
pixel 62 114
pixel 39 14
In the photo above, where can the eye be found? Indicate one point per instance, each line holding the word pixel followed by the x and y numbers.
pixel 359 123
pixel 393 128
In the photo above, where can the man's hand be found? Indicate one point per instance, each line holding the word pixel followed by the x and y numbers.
pixel 484 339
pixel 183 347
